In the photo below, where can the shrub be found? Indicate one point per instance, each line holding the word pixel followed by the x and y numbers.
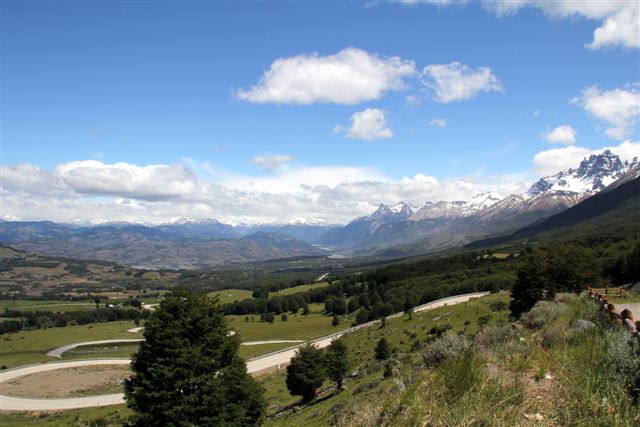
pixel 493 336
pixel 448 346
pixel 542 314
pixel 553 334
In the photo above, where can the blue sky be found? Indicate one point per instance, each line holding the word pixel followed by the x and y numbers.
pixel 103 103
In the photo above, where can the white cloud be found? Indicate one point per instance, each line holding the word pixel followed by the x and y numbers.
pixel 564 134
pixel 349 77
pixel 91 191
pixel 619 108
pixel 457 82
pixel 536 113
pixel 556 159
pixel 270 163
pixel 439 122
pixel 619 19
pixel 369 125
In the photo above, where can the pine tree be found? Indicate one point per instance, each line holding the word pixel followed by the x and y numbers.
pixel 382 349
pixel 305 373
pixel 188 372
pixel 337 362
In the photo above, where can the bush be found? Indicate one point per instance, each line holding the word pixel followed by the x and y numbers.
pixel 542 314
pixel 553 334
pixel 444 348
pixel 493 336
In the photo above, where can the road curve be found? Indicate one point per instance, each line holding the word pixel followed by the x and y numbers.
pixel 58 352
pixel 10 403
pixel 255 366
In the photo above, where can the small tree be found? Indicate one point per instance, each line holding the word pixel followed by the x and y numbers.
pixel 335 321
pixel 388 370
pixel 284 317
pixel 362 316
pixel 382 349
pixel 337 362
pixel 96 300
pixel 305 373
pixel 188 372
pixel 305 310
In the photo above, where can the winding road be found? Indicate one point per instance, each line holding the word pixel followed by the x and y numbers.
pixel 255 366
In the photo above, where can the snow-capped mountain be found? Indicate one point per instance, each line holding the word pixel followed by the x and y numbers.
pixel 593 174
pixel 386 214
pixel 453 222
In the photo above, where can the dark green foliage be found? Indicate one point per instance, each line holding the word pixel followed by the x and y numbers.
pixel 339 306
pixel 305 373
pixel 388 370
pixel 284 317
pixel 337 362
pixel 335 321
pixel 305 310
pixel 362 316
pixel 562 268
pixel 382 350
pixel 188 372
pixel 499 306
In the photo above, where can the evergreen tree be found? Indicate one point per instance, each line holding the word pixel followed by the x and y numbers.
pixel 530 284
pixel 362 316
pixel 305 373
pixel 337 362
pixel 188 372
pixel 335 321
pixel 305 310
pixel 382 349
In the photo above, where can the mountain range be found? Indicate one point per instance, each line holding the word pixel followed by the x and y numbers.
pixel 398 229
pixel 438 225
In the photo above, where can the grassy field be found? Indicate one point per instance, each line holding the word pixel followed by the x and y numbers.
pixel 297 326
pixel 298 289
pixel 105 416
pixel 46 305
pixel 400 335
pixel 27 347
pixel 230 295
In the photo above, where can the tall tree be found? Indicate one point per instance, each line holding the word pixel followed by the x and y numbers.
pixel 337 362
pixel 188 372
pixel 305 373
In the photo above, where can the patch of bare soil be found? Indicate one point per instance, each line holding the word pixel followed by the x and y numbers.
pixel 71 382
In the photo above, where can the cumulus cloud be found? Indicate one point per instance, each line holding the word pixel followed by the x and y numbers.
pixel 439 122
pixel 458 82
pixel 619 20
pixel 618 108
pixel 270 163
pixel 564 134
pixel 368 125
pixel 349 77
pixel 556 159
pixel 330 193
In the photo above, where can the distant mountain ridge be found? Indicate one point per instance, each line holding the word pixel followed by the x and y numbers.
pixel 447 223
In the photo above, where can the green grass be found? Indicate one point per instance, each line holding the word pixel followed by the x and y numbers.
pixel 124 350
pixel 105 416
pixel 28 347
pixel 297 327
pixel 298 289
pixel 398 333
pixel 230 295
pixel 51 305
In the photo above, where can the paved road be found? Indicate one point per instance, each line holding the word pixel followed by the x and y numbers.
pixel 10 403
pixel 58 352
pixel 255 366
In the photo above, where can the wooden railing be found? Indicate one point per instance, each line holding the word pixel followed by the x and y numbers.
pixel 614 292
pixel 624 317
